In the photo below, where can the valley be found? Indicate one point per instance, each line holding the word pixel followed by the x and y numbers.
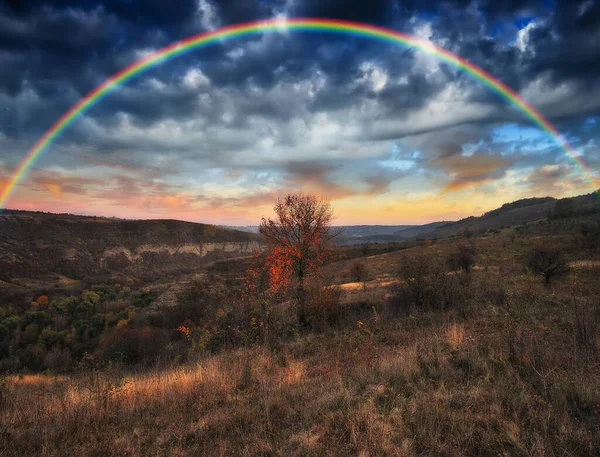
pixel 416 355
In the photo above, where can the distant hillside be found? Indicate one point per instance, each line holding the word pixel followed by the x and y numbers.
pixel 34 243
pixel 520 212
pixel 372 230
pixel 508 215
pixel 415 231
pixel 523 203
pixel 354 231
pixel 242 228
pixel 37 243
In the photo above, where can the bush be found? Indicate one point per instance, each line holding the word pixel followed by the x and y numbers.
pixel 548 262
pixel 133 345
pixel 563 208
pixel 591 235
pixel 58 360
pixel 425 285
pixel 416 289
pixel 323 306
pixel 462 258
pixel 358 272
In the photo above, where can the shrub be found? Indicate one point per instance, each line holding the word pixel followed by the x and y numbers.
pixel 591 235
pixel 58 360
pixel 548 262
pixel 415 290
pixel 133 345
pixel 358 272
pixel 42 301
pixel 425 285
pixel 462 258
pixel 323 304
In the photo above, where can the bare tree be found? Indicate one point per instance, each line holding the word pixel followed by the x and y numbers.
pixel 547 262
pixel 302 235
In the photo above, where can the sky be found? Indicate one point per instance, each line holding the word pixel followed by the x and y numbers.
pixel 390 135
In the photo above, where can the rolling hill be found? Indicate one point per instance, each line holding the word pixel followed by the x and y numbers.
pixel 35 243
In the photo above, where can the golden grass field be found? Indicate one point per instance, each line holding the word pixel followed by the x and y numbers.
pixel 516 373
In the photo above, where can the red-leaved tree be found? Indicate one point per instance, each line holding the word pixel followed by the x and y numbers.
pixel 265 283
pixel 299 240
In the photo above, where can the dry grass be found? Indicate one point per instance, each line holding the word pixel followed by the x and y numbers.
pixel 455 336
pixel 418 387
pixel 518 375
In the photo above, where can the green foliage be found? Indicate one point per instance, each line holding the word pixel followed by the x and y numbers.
pixel 91 297
pixel 143 299
pixel 56 333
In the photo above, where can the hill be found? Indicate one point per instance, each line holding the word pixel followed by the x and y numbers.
pixel 415 231
pixel 508 215
pixel 420 360
pixel 35 243
pixel 520 212
pixel 352 234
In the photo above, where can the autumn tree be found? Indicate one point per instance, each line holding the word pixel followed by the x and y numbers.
pixel 265 283
pixel 299 240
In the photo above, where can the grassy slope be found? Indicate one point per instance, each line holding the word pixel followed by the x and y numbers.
pixel 516 373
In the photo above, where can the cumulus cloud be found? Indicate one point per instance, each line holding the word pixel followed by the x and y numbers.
pixel 263 115
pixel 555 180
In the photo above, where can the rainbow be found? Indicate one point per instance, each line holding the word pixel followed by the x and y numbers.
pixel 276 25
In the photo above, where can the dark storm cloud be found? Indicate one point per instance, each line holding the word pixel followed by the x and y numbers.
pixel 318 177
pixel 147 12
pixel 375 11
pixel 569 45
pixel 236 11
pixel 380 179
pixel 53 52
pixel 563 42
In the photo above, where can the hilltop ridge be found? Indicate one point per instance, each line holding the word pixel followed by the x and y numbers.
pixel 33 243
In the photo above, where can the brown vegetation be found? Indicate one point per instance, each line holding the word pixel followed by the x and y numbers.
pixel 445 353
pixel 358 272
pixel 547 262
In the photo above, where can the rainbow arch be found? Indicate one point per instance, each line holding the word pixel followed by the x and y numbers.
pixel 275 25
